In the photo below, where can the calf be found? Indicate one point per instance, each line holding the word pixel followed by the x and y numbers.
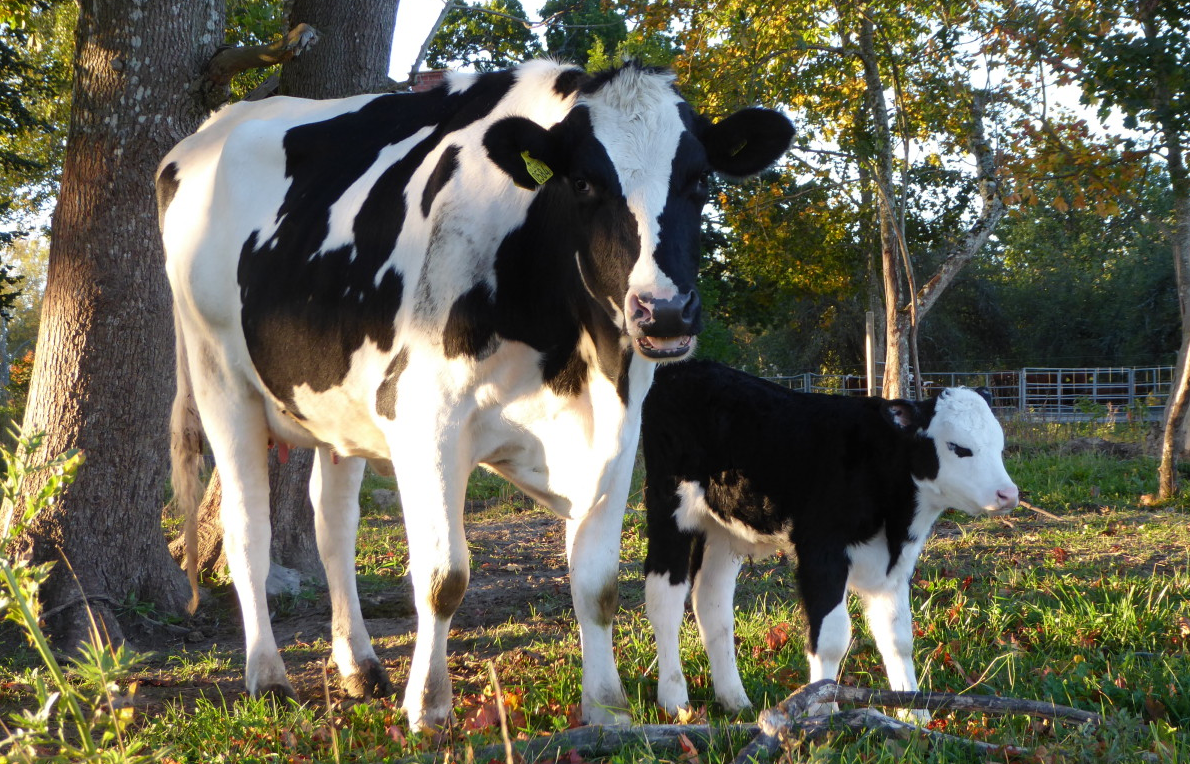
pixel 737 466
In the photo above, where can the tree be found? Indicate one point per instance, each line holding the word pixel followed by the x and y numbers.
pixel 102 381
pixel 576 27
pixel 484 36
pixel 1131 56
pixel 885 103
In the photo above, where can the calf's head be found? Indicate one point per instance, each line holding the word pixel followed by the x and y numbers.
pixel 625 177
pixel 958 451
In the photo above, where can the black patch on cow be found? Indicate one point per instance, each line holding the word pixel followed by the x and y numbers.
pixel 679 237
pixel 386 394
pixel 470 325
pixel 569 81
pixel 167 188
pixel 541 298
pixel 447 165
pixel 925 463
pixel 304 314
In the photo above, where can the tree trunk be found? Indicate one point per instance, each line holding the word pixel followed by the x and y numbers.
pixel 896 294
pixel 352 57
pixel 1179 397
pixel 103 376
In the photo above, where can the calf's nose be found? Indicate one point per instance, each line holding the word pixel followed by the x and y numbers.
pixel 1008 497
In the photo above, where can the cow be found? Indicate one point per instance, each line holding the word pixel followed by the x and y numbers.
pixel 482 274
pixel 737 466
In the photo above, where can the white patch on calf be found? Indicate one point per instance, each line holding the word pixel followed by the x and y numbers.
pixel 972 484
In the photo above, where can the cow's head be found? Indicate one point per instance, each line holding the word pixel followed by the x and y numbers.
pixel 958 456
pixel 627 170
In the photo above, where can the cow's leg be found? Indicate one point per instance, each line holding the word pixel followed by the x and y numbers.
pixel 887 612
pixel 334 493
pixel 593 548
pixel 667 582
pixel 822 580
pixel 432 479
pixel 714 594
pixel 234 421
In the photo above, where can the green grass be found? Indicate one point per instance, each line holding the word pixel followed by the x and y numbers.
pixel 1090 610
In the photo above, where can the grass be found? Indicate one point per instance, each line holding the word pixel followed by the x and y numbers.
pixel 1090 610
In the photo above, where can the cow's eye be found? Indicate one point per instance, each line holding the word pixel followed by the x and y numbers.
pixel 960 450
pixel 582 187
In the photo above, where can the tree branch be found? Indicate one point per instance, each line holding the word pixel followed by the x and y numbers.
pixel 993 209
pixel 230 61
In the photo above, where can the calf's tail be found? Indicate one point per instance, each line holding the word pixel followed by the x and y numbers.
pixel 185 450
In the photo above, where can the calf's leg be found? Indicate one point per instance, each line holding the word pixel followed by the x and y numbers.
pixel 822 579
pixel 667 583
pixel 890 620
pixel 714 595
pixel 334 493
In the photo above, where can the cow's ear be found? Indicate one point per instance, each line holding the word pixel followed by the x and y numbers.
pixel 985 393
pixel 902 414
pixel 747 142
pixel 524 150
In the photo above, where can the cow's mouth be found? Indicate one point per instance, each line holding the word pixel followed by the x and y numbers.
pixel 662 348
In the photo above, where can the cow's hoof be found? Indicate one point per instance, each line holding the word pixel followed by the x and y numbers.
pixel 918 716
pixel 371 681
pixel 734 704
pixel 277 691
pixel 598 714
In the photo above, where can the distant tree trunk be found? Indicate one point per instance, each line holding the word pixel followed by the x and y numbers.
pixel 351 57
pixel 1179 397
pixel 103 375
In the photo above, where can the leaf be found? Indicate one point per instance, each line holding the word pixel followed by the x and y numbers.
pixel 777 637
pixel 689 750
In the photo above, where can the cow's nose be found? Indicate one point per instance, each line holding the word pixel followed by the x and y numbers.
pixel 1008 497
pixel 676 316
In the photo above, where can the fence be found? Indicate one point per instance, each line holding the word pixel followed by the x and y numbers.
pixel 1042 393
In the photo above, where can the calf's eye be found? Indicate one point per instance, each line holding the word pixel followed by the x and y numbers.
pixel 960 450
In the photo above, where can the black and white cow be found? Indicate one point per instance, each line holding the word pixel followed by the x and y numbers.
pixel 480 274
pixel 737 466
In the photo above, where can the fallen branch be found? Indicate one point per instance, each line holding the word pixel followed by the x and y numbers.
pixel 789 716
pixel 603 740
pixel 1041 511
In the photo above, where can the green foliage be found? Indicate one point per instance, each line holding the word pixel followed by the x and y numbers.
pixel 582 29
pixel 253 22
pixel 35 70
pixel 483 36
pixel 83 717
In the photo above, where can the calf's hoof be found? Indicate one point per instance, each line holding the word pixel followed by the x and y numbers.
pixel 605 714
pixel 370 681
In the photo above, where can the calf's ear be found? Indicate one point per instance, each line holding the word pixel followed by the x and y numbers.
pixel 747 142
pixel 524 150
pixel 902 414
pixel 985 393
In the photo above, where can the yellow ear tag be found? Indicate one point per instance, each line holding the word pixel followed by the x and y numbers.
pixel 538 169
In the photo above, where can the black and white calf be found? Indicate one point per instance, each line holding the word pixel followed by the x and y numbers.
pixel 737 466
pixel 485 273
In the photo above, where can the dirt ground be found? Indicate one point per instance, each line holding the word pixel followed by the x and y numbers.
pixel 518 563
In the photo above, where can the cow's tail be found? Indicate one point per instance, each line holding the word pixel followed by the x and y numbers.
pixel 185 450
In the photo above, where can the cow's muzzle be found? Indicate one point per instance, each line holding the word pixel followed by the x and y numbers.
pixel 664 329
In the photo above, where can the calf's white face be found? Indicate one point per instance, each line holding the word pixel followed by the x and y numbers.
pixel 970 443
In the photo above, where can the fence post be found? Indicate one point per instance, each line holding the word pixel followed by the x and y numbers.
pixel 1021 387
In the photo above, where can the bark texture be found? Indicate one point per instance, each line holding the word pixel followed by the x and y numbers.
pixel 352 57
pixel 103 377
